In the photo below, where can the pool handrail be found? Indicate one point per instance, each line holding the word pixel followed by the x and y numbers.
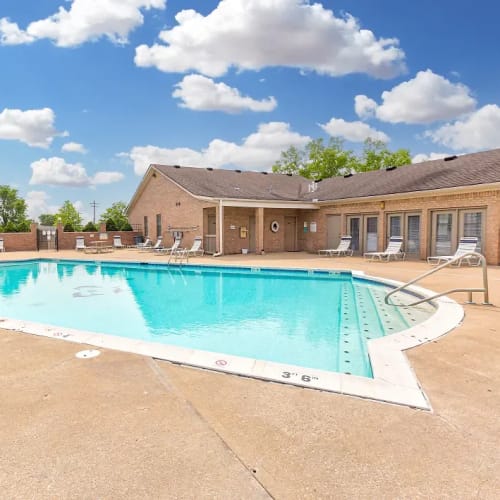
pixel 484 290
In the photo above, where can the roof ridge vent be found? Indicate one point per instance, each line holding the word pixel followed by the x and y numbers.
pixel 390 167
pixel 177 166
pixel 347 175
pixel 209 169
pixel 450 158
pixel 289 175
pixel 265 173
pixel 238 171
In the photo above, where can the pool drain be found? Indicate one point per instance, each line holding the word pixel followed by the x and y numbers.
pixel 89 353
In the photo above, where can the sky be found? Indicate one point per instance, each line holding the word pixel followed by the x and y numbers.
pixel 92 92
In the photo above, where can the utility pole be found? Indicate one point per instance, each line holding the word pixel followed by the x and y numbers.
pixel 94 205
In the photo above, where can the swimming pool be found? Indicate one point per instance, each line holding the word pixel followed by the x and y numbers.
pixel 300 321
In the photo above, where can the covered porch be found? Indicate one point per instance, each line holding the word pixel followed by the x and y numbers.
pixel 251 226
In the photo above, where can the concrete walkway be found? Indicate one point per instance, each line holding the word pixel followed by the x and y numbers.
pixel 127 426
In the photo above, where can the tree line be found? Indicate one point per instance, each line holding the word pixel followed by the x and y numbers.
pixel 14 219
pixel 319 160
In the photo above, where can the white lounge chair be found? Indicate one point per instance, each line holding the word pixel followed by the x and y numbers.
pixel 146 244
pixel 117 242
pixel 342 249
pixel 80 243
pixel 393 250
pixel 2 248
pixel 157 246
pixel 465 245
pixel 185 253
pixel 168 250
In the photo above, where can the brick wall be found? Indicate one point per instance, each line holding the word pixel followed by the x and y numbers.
pixel 17 242
pixel 177 208
pixel 67 240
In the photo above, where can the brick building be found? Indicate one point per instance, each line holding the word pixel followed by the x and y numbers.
pixel 430 204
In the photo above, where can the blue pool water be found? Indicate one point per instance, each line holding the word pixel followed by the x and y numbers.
pixel 311 319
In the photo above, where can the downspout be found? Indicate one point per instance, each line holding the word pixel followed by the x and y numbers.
pixel 221 231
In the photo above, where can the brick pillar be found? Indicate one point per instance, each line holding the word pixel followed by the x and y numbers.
pixel 219 221
pixel 425 234
pixel 102 227
pixel 259 230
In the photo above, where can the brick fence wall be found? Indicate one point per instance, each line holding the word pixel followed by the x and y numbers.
pixel 18 242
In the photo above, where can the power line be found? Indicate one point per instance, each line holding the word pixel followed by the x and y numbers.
pixel 93 204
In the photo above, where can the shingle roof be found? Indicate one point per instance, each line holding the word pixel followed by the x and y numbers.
pixel 222 183
pixel 464 170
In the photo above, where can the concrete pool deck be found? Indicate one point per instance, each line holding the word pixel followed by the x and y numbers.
pixel 127 426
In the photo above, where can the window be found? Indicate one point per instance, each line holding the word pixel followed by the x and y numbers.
pixel 158 225
pixel 146 228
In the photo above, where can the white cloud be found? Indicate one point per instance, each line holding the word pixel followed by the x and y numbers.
pixel 107 177
pixel 424 99
pixel 34 127
pixel 85 20
pixel 10 34
pixel 258 150
pixel 203 94
pixel 353 131
pixel 55 171
pixel 38 203
pixel 419 158
pixel 479 130
pixel 73 147
pixel 364 106
pixel 255 34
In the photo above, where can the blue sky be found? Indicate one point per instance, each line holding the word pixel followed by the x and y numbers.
pixel 93 91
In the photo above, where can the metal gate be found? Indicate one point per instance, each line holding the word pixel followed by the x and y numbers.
pixel 47 238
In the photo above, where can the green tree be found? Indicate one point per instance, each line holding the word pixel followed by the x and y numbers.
pixel 47 219
pixel 69 217
pixel 317 160
pixel 12 211
pixel 115 217
pixel 90 227
pixel 320 161
pixel 376 155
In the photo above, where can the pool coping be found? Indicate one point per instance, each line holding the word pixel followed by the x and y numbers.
pixel 394 380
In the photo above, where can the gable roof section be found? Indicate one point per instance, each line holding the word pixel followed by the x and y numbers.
pixel 465 170
pixel 234 184
pixel 461 171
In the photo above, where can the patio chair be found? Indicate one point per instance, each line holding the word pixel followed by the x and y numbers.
pixel 2 247
pixel 157 246
pixel 168 250
pixel 80 243
pixel 184 253
pixel 393 250
pixel 146 244
pixel 117 242
pixel 342 249
pixel 465 245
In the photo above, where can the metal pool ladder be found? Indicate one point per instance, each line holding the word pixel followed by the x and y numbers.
pixel 483 290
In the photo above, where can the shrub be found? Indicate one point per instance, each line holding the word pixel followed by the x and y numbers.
pixel 90 227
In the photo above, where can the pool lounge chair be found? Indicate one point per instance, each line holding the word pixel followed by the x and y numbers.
pixel 2 247
pixel 157 246
pixel 168 250
pixel 80 243
pixel 117 242
pixel 341 250
pixel 393 250
pixel 146 244
pixel 465 245
pixel 185 253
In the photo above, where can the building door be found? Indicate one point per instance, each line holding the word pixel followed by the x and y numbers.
pixel 364 233
pixel 332 231
pixel 472 224
pixel 354 229
pixel 412 236
pixel 290 234
pixel 251 234
pixel 210 242
pixel 443 233
pixel 370 233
